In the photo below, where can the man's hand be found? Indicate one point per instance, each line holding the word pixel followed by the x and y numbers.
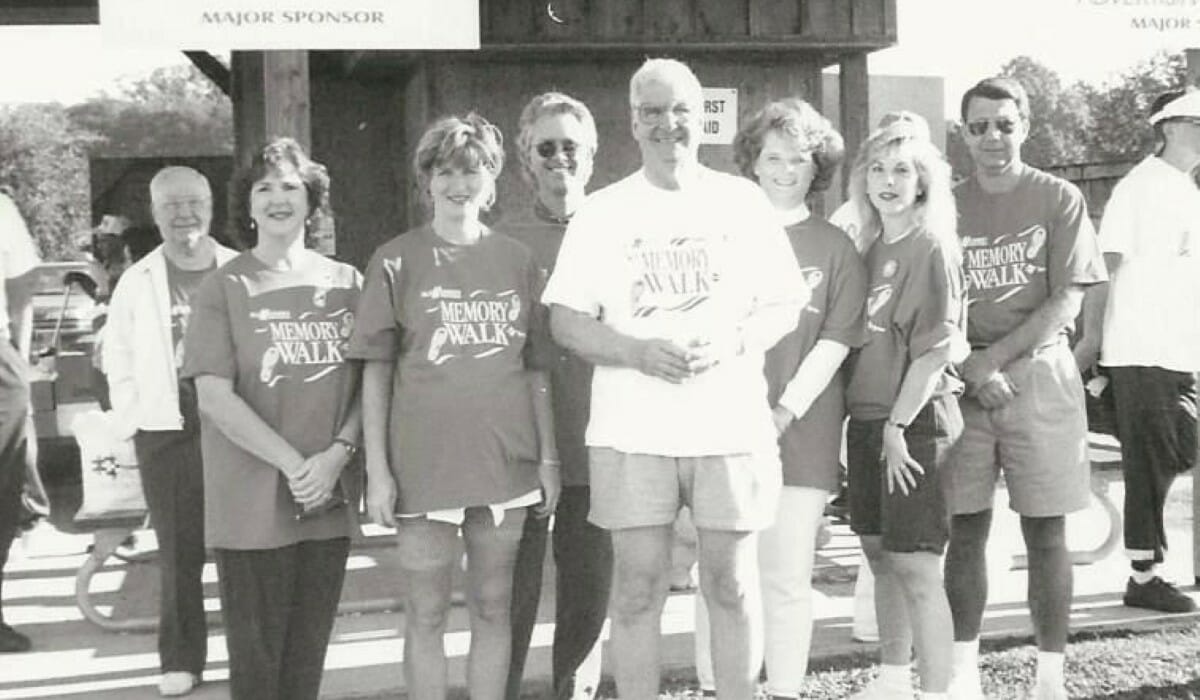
pixel 314 482
pixel 782 418
pixel 1087 353
pixel 978 369
pixel 381 495
pixel 550 477
pixel 708 351
pixel 662 359
pixel 996 392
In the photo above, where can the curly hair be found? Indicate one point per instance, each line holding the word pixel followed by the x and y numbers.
pixel 550 104
pixel 468 142
pixel 797 119
pixel 934 208
pixel 277 155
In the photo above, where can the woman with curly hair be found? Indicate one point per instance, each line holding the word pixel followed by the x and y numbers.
pixel 458 430
pixel 901 397
pixel 280 421
pixel 792 151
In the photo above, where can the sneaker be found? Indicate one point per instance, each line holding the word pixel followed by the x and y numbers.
pixel 175 683
pixel 875 690
pixel 1045 691
pixel 965 686
pixel 1157 594
pixel 12 640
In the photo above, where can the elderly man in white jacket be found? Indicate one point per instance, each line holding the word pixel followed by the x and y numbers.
pixel 143 350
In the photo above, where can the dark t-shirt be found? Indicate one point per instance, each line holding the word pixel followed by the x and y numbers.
pixel 1020 247
pixel 280 336
pixel 181 285
pixel 914 303
pixel 456 321
pixel 833 270
pixel 570 375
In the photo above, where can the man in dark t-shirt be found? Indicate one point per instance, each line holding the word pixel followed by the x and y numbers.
pixel 1029 251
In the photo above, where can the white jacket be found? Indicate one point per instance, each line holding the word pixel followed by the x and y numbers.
pixel 139 356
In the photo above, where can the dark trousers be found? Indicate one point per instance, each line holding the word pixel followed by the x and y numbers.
pixel 173 481
pixel 583 560
pixel 14 407
pixel 279 606
pixel 1156 424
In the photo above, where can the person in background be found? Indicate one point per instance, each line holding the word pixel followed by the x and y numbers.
pixel 1150 344
pixel 280 423
pixel 143 352
pixel 904 415
pixel 1030 251
pixel 674 282
pixel 459 434
pixel 792 151
pixel 556 146
pixel 18 260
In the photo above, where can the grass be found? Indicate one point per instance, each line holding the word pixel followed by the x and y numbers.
pixel 1146 663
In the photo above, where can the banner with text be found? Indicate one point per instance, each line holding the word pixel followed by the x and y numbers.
pixel 290 24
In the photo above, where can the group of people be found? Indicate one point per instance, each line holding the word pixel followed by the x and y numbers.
pixel 681 337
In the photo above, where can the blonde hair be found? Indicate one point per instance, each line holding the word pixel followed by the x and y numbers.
pixel 934 209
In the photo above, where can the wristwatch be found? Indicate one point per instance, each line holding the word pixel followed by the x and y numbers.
pixel 351 448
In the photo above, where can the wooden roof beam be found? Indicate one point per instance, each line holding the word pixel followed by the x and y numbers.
pixel 213 68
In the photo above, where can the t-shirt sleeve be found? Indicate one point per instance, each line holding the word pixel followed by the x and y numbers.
pixel 208 343
pixel 574 282
pixel 19 254
pixel 931 310
pixel 776 270
pixel 539 351
pixel 376 333
pixel 844 322
pixel 1117 226
pixel 1073 249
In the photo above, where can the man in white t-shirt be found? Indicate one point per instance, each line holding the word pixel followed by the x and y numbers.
pixel 1150 236
pixel 674 281
pixel 18 258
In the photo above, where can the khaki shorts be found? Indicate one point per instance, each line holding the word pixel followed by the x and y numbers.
pixel 1038 440
pixel 736 493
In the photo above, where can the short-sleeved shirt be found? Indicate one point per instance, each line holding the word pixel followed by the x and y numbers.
pixel 280 336
pixel 570 375
pixel 678 264
pixel 835 275
pixel 1152 317
pixel 181 285
pixel 17 253
pixel 914 303
pixel 1020 247
pixel 456 321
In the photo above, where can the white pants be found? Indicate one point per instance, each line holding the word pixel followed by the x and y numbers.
pixel 785 561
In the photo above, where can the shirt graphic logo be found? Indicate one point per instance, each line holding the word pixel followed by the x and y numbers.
pixel 306 348
pixel 1005 263
pixel 878 298
pixel 476 327
pixel 813 277
pixel 675 277
pixel 179 319
pixel 889 269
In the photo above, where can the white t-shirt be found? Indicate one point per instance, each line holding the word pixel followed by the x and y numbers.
pixel 1152 220
pixel 846 217
pixel 17 254
pixel 677 264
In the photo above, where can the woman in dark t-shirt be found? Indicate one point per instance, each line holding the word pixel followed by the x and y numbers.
pixel 901 398
pixel 458 434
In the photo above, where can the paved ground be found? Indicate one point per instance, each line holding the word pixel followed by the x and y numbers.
pixel 76 659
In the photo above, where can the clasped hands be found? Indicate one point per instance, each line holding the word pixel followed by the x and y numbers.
pixel 313 483
pixel 986 381
pixel 676 362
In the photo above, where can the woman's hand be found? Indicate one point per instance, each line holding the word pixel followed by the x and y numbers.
pixel 381 495
pixel 313 484
pixel 550 475
pixel 901 467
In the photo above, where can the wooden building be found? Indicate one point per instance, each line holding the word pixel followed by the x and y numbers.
pixel 362 111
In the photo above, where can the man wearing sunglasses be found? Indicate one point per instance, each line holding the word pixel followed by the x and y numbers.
pixel 1029 252
pixel 556 144
pixel 1151 334
pixel 674 281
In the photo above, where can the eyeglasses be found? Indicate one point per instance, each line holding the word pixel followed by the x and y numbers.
pixel 176 206
pixel 654 114
pixel 551 147
pixel 979 127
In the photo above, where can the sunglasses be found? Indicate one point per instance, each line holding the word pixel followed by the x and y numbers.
pixel 551 147
pixel 979 127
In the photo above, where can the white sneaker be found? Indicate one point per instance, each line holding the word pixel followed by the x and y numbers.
pixel 175 683
pixel 1048 691
pixel 966 686
pixel 875 690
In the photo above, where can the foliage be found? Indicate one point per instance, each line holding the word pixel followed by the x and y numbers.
pixel 1060 116
pixel 43 158
pixel 1118 109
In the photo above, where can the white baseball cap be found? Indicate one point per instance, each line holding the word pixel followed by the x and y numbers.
pixel 1186 105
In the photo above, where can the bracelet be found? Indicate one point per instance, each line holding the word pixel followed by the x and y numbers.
pixel 351 448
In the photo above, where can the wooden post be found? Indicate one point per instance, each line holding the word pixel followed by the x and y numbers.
pixel 270 99
pixel 1193 66
pixel 1193 78
pixel 853 101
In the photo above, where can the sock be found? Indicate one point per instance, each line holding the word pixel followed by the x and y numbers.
pixel 966 655
pixel 1050 667
pixel 1144 571
pixel 898 677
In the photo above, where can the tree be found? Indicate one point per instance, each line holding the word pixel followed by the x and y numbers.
pixel 1119 109
pixel 43 158
pixel 1060 114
